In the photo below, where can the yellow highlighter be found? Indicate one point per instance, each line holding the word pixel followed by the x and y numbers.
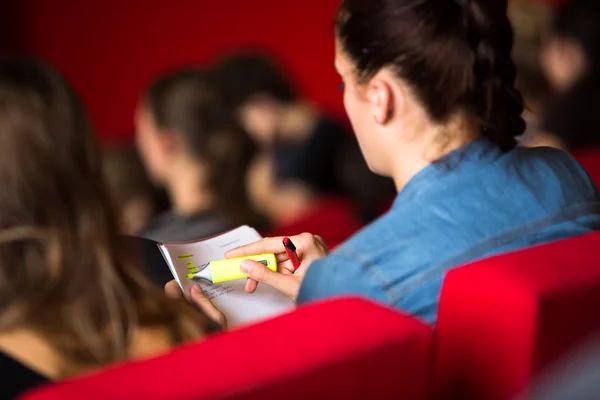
pixel 229 270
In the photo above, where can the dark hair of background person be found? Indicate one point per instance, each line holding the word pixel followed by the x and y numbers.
pixel 455 55
pixel 531 22
pixel 189 102
pixel 578 20
pixel 244 75
pixel 64 272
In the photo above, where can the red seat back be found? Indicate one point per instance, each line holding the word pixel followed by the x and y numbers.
pixel 503 319
pixel 334 219
pixel 347 349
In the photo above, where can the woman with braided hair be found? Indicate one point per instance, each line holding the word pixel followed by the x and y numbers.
pixel 429 90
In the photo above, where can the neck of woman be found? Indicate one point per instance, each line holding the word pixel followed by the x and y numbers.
pixel 433 143
pixel 187 188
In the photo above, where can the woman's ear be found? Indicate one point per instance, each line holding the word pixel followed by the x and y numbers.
pixel 381 98
pixel 170 142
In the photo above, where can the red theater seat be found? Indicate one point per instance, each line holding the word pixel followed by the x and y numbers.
pixel 503 319
pixel 334 219
pixel 340 349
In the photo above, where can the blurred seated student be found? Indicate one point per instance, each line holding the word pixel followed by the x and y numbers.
pixel 531 21
pixel 429 89
pixel 192 147
pixel 571 60
pixel 293 132
pixel 295 198
pixel 71 298
pixel 137 199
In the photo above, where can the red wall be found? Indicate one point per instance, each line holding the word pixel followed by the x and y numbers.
pixel 110 49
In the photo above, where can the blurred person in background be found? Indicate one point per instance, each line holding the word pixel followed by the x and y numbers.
pixel 72 299
pixel 137 199
pixel 296 200
pixel 571 60
pixel 308 164
pixel 531 21
pixel 191 146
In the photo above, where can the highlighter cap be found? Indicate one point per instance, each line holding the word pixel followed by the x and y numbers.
pixel 288 243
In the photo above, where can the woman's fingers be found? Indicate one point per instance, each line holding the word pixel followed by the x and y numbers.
pixel 309 247
pixel 203 303
pixel 257 272
pixel 251 285
pixel 173 291
pixel 198 299
pixel 266 245
pixel 281 257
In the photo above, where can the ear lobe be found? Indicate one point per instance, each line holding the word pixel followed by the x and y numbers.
pixel 381 100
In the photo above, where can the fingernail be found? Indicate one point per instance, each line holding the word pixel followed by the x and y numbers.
pixel 196 288
pixel 246 266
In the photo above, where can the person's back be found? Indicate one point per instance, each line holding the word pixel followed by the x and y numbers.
pixel 170 226
pixel 72 297
pixel 474 203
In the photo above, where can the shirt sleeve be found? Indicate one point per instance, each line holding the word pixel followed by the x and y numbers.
pixel 338 275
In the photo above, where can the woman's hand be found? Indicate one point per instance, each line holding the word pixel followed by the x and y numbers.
pixel 198 299
pixel 308 247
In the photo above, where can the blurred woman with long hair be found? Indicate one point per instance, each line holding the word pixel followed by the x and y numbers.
pixel 72 299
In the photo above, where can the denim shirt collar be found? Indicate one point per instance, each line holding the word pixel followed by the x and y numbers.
pixel 476 153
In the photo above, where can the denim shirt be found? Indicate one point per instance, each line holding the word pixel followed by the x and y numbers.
pixel 473 203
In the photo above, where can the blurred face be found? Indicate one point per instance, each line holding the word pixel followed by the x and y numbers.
pixel 363 118
pixel 563 62
pixel 150 144
pixel 259 118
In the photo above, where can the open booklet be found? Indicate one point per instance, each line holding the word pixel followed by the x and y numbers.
pixel 230 298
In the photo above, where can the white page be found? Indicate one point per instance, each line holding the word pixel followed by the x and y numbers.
pixel 230 298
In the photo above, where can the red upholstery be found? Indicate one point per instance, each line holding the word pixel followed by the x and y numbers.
pixel 341 349
pixel 503 319
pixel 334 219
